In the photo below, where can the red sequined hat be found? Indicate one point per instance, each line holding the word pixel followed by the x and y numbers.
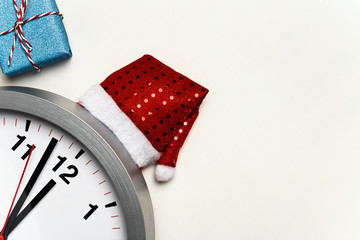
pixel 150 108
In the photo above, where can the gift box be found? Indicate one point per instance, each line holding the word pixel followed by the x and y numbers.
pixel 46 34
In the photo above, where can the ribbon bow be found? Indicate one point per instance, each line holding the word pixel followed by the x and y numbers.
pixel 18 32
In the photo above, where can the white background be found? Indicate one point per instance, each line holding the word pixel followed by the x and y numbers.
pixel 275 152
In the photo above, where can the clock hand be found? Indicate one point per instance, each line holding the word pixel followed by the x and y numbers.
pixel 17 189
pixel 30 185
pixel 45 190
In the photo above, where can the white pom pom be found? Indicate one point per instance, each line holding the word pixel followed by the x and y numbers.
pixel 164 173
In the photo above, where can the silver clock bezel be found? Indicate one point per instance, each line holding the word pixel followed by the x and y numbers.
pixel 101 142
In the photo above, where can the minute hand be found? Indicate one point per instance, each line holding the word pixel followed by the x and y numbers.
pixel 45 190
pixel 30 185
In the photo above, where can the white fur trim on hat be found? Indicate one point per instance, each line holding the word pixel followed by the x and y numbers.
pixel 102 106
pixel 164 173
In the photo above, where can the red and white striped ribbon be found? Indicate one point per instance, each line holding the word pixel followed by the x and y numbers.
pixel 18 32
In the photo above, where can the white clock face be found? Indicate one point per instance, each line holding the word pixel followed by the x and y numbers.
pixel 72 198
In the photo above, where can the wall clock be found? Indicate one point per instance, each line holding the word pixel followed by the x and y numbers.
pixel 80 182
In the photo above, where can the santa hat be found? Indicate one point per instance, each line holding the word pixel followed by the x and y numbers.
pixel 150 108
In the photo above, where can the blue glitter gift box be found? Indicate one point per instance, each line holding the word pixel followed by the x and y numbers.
pixel 46 34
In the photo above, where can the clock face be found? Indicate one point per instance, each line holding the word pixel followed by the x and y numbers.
pixel 78 183
pixel 80 200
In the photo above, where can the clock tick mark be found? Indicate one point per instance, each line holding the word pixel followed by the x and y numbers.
pixel 50 132
pixel 81 152
pixel 39 128
pixel 102 182
pixel 27 125
pixel 71 145
pixel 116 228
pixel 113 204
pixel 114 216
pixel 96 171
pixel 88 162
pixel 61 138
pixel 4 121
pixel 16 122
pixel 107 193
